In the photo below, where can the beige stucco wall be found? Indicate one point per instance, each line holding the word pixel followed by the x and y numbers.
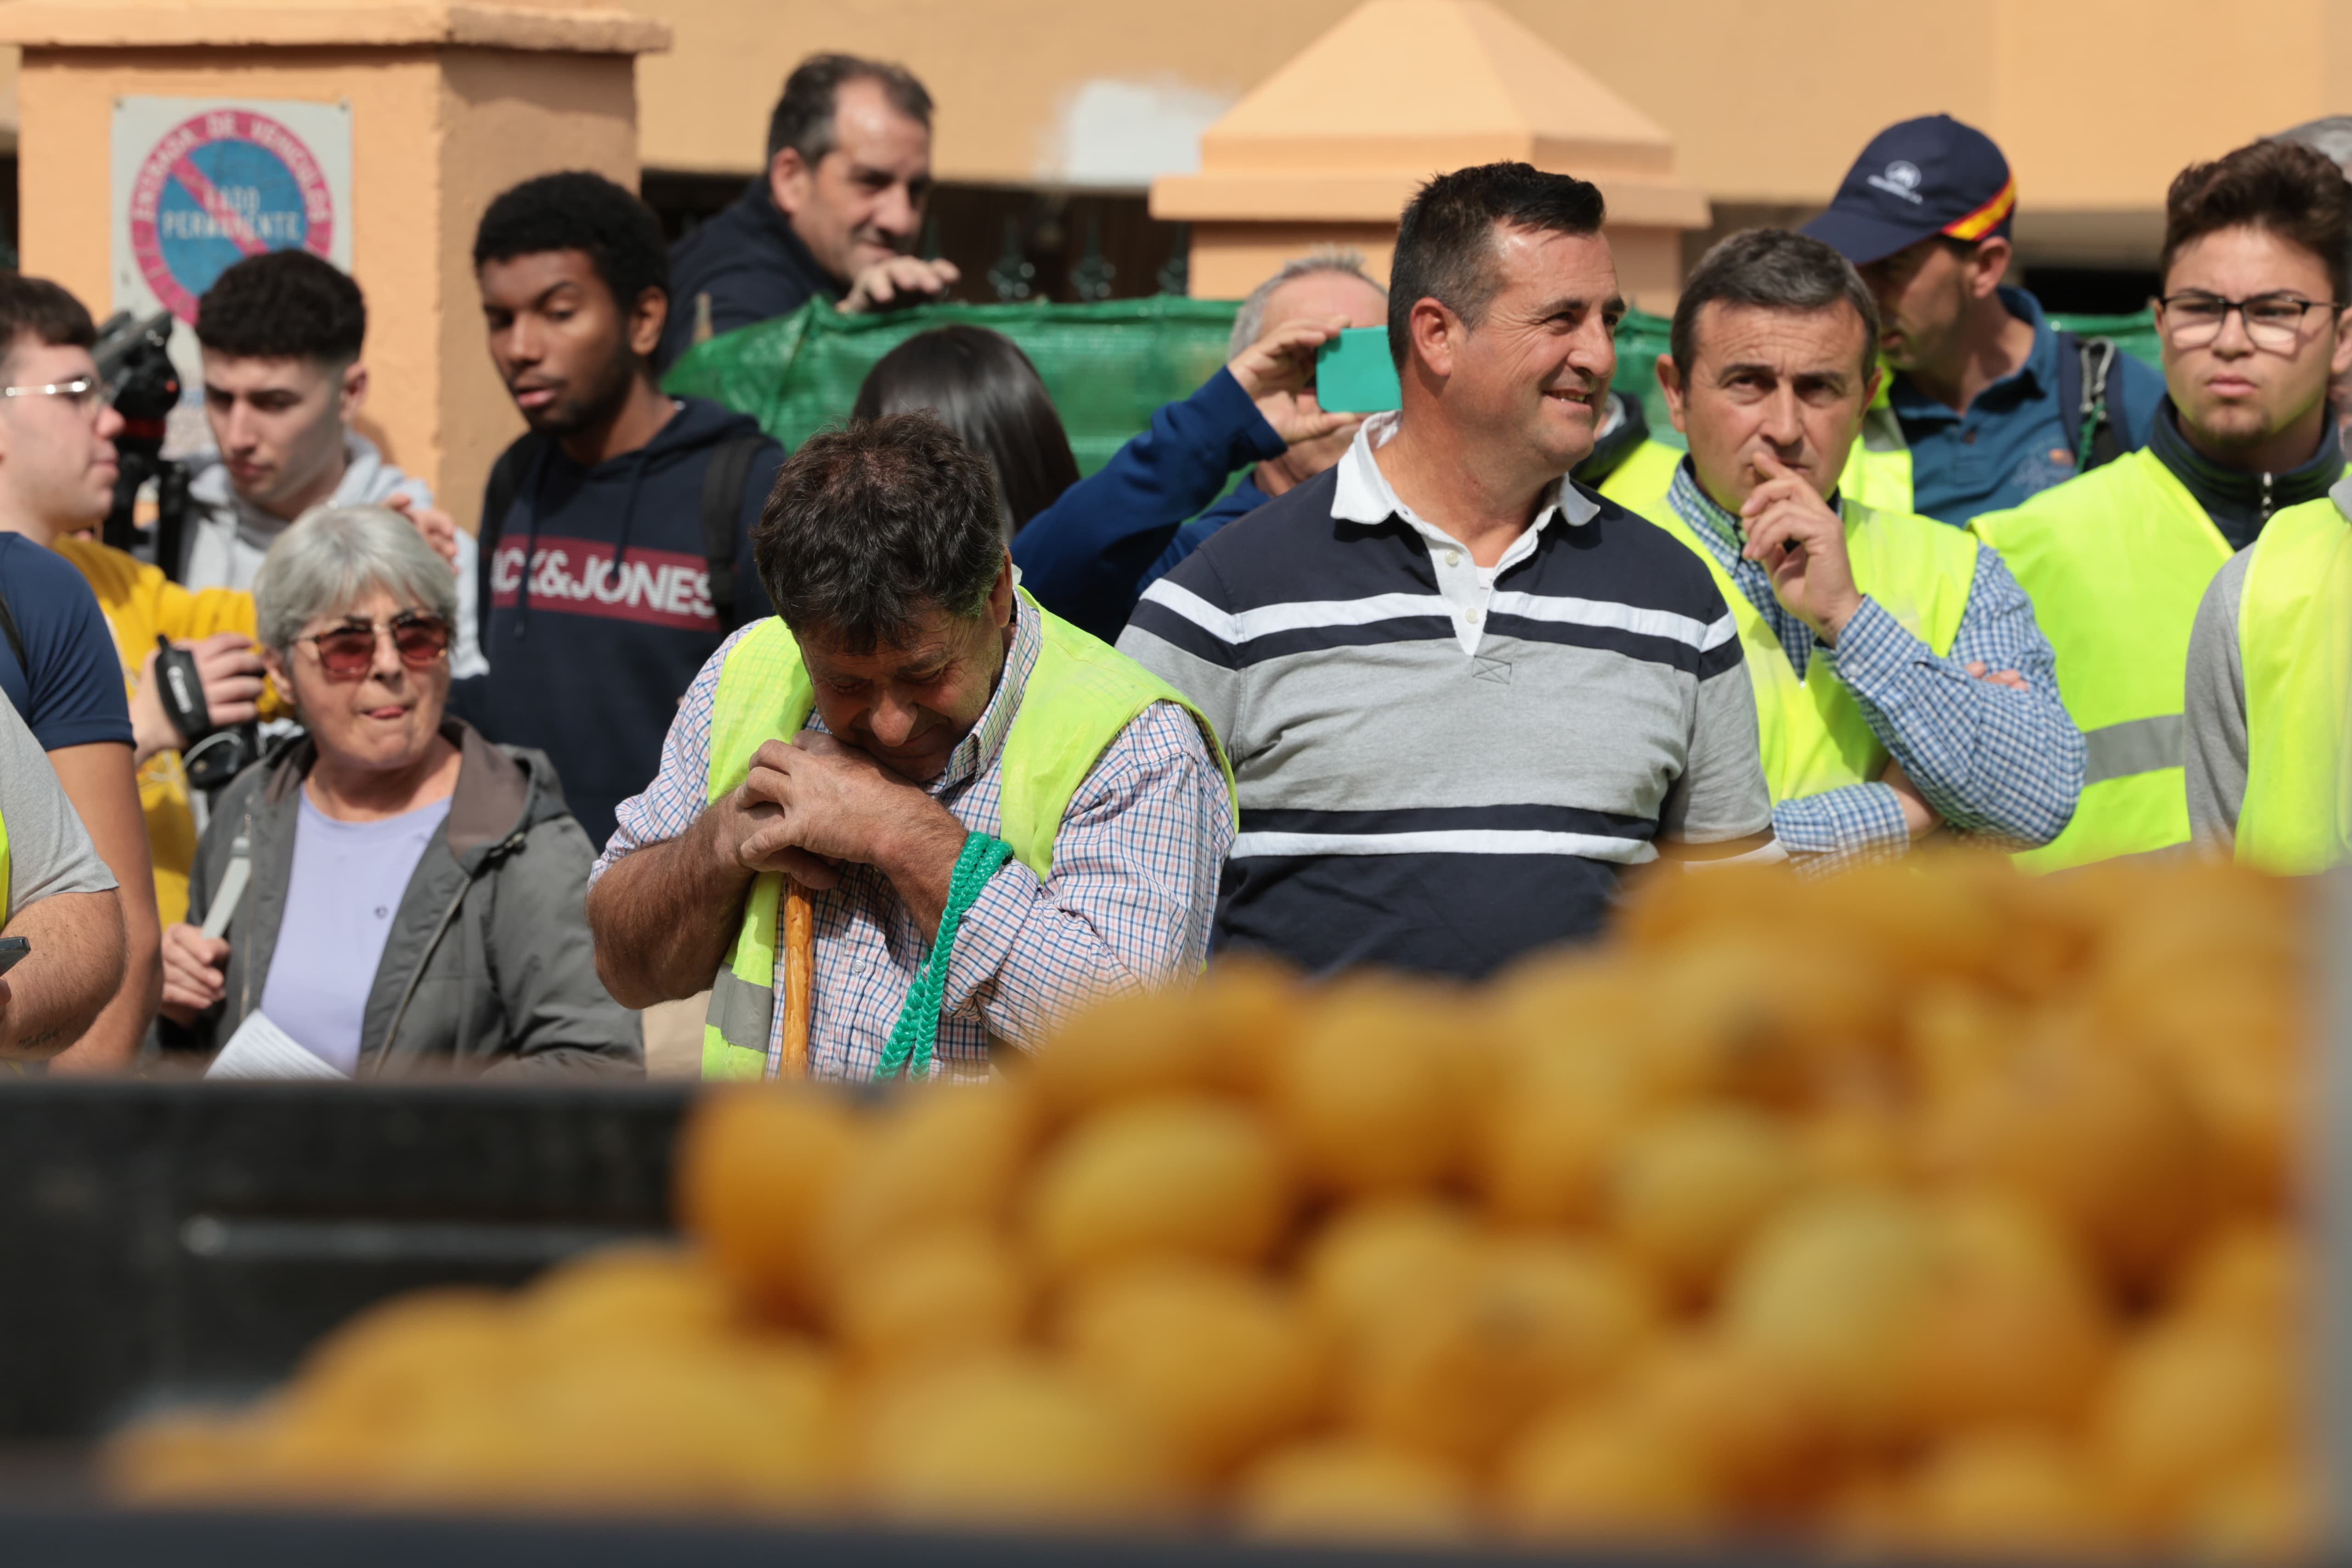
pixel 2097 101
pixel 436 132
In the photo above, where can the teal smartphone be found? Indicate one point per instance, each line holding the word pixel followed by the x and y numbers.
pixel 1353 373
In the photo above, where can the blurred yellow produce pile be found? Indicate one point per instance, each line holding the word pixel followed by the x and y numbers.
pixel 1930 1208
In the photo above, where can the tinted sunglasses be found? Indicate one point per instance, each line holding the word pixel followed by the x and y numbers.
pixel 348 653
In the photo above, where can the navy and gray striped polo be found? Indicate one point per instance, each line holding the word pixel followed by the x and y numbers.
pixel 1442 767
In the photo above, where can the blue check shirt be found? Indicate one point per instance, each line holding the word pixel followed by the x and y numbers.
pixel 1996 765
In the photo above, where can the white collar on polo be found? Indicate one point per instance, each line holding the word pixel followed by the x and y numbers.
pixel 1364 494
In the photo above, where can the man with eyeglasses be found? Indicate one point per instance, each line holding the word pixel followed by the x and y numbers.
pixel 2256 249
pixel 58 666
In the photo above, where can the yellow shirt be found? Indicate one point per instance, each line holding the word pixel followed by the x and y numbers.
pixel 141 604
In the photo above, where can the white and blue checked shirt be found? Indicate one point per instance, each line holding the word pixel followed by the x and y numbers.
pixel 1128 904
pixel 1995 763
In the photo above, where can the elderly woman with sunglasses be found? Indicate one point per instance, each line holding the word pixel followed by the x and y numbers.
pixel 407 896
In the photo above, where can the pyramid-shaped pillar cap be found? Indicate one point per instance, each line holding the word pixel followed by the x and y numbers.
pixel 1402 89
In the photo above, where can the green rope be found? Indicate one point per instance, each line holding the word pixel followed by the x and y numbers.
pixel 918 1029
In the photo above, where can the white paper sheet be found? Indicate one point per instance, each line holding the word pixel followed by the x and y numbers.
pixel 260 1049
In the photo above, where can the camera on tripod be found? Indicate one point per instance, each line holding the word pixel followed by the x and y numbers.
pixel 135 356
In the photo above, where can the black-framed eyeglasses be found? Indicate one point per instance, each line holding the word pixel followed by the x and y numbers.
pixel 84 392
pixel 348 652
pixel 2273 321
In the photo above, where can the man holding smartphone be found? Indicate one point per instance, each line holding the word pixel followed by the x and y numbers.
pixel 1461 694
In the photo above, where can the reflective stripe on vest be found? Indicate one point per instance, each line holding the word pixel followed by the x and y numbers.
pixel 1081 694
pixel 2115 562
pixel 1812 733
pixel 2295 635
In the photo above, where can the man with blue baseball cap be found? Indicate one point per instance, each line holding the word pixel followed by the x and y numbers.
pixel 1988 403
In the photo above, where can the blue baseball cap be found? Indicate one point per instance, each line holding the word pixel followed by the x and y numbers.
pixel 1922 178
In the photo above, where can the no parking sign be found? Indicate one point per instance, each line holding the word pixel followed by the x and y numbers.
pixel 200 184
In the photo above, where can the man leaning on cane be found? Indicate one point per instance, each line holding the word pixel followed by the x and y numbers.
pixel 995 814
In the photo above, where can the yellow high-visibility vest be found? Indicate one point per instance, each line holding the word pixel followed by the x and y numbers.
pixel 1812 735
pixel 2115 562
pixel 1081 694
pixel 2295 638
pixel 1639 484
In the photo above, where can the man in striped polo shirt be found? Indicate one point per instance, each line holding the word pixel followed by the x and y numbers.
pixel 1461 694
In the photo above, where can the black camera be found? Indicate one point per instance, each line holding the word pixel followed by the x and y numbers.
pixel 209 755
pixel 134 357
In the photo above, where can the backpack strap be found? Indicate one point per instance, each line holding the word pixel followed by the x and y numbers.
pixel 2089 395
pixel 722 509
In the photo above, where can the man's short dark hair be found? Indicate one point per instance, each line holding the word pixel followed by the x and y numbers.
pixel 2291 190
pixel 873 526
pixel 803 116
pixel 583 212
pixel 41 310
pixel 1771 269
pixel 283 304
pixel 1445 247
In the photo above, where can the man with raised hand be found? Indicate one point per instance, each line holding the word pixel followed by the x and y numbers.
pixel 833 214
pixel 1462 695
pixel 995 816
pixel 1901 683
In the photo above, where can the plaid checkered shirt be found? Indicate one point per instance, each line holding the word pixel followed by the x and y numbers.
pixel 1995 763
pixel 1128 904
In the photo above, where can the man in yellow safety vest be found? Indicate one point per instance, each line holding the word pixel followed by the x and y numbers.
pixel 905 724
pixel 1901 682
pixel 2256 249
pixel 2270 669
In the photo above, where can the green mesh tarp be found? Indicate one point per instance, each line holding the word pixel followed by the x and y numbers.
pixel 1107 366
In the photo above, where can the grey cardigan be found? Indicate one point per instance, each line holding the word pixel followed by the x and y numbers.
pixel 488 967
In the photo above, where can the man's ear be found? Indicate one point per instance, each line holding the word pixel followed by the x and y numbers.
pixel 1989 265
pixel 2341 359
pixel 353 395
pixel 789 179
pixel 1000 597
pixel 273 663
pixel 1670 382
pixel 645 322
pixel 1433 330
pixel 1877 379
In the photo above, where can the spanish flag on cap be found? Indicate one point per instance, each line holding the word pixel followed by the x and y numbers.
pixel 1987 218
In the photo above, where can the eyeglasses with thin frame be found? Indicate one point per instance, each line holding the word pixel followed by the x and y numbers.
pixel 2273 321
pixel 86 393
pixel 348 652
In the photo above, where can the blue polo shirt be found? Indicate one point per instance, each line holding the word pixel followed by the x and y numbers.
pixel 2016 438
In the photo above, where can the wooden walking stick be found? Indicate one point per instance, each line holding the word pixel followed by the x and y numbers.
pixel 799 978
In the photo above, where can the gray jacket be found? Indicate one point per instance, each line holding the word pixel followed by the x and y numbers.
pixel 488 968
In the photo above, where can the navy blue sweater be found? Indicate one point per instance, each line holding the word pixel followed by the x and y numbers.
pixel 587 661
pixel 750 262
pixel 1087 557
